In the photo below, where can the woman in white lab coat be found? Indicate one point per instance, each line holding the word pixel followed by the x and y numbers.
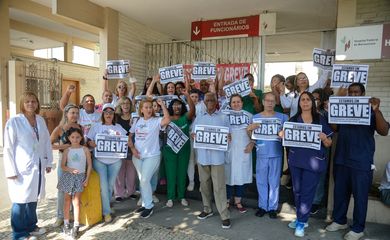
pixel 27 155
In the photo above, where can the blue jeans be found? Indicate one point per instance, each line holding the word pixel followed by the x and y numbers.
pixel 60 194
pixel 107 174
pixel 146 168
pixel 238 191
pixel 23 219
pixel 154 180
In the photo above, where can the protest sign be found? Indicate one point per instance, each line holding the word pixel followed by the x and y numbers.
pixel 302 135
pixel 175 137
pixel 203 70
pixel 238 119
pixel 349 110
pixel 232 72
pixel 225 105
pixel 211 137
pixel 111 146
pixel 117 69
pixel 268 129
pixel 323 59
pixel 173 74
pixel 138 99
pixel 166 98
pixel 344 75
pixel 241 87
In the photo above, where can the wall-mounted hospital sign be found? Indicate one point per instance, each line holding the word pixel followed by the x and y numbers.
pixel 268 129
pixel 111 146
pixel 203 70
pixel 117 69
pixel 166 98
pixel 173 74
pixel 323 59
pixel 211 137
pixel 241 87
pixel 344 75
pixel 355 43
pixel 175 137
pixel 238 119
pixel 349 110
pixel 302 135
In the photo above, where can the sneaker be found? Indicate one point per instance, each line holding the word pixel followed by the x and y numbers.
pixel 293 224
pixel 66 229
pixel 226 224
pixel 38 231
pixel 75 232
pixel 155 199
pixel 184 202
pixel 169 203
pixel 146 213
pixel 139 203
pixel 58 223
pixel 261 212
pixel 107 218
pixel 118 199
pixel 28 238
pixel 133 196
pixel 333 227
pixel 273 214
pixel 240 208
pixel 314 209
pixel 300 229
pixel 204 215
pixel 141 209
pixel 191 186
pixel 351 235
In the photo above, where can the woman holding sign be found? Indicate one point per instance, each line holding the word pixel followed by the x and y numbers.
pixel 306 164
pixel 121 89
pixel 176 160
pixel 146 149
pixel 238 167
pixel 107 167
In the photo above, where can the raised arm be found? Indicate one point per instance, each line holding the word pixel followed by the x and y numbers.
pixel 166 118
pixel 65 98
pixel 192 111
pixel 382 126
pixel 156 79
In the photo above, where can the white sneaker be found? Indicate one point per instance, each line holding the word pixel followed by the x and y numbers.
pixel 191 186
pixel 139 203
pixel 184 202
pixel 351 235
pixel 333 227
pixel 38 231
pixel 169 203
pixel 155 199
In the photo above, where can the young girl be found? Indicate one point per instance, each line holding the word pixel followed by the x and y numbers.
pixel 74 179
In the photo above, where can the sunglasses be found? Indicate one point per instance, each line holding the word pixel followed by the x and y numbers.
pixel 108 112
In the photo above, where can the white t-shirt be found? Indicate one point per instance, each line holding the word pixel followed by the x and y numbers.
pixel 88 119
pixel 99 128
pixel 147 136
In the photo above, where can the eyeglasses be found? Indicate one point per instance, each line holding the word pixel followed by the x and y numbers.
pixel 121 87
pixel 108 112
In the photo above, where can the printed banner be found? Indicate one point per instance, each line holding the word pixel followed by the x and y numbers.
pixel 211 137
pixel 225 105
pixel 238 119
pixel 111 146
pixel 203 70
pixel 138 99
pixel 268 129
pixel 166 98
pixel 232 72
pixel 173 74
pixel 302 135
pixel 323 59
pixel 117 69
pixel 241 87
pixel 344 75
pixel 349 110
pixel 175 137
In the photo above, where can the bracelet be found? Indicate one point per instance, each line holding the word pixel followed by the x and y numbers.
pixel 105 78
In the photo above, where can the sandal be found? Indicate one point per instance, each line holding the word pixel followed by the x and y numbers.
pixel 240 208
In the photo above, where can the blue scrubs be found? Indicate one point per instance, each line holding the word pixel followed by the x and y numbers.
pixel 352 172
pixel 306 166
pixel 268 168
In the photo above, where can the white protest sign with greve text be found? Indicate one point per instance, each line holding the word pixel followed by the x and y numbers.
pixel 241 87
pixel 203 70
pixel 323 59
pixel 344 75
pixel 173 74
pixel 117 69
pixel 111 146
pixel 238 119
pixel 175 137
pixel 211 137
pixel 302 135
pixel 349 110
pixel 268 129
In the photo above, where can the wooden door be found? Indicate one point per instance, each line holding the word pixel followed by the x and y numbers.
pixel 75 97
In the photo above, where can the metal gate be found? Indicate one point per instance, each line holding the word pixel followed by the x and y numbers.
pixel 231 50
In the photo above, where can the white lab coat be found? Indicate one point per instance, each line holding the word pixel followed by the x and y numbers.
pixel 22 152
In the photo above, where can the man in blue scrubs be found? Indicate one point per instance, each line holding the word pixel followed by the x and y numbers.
pixel 353 164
